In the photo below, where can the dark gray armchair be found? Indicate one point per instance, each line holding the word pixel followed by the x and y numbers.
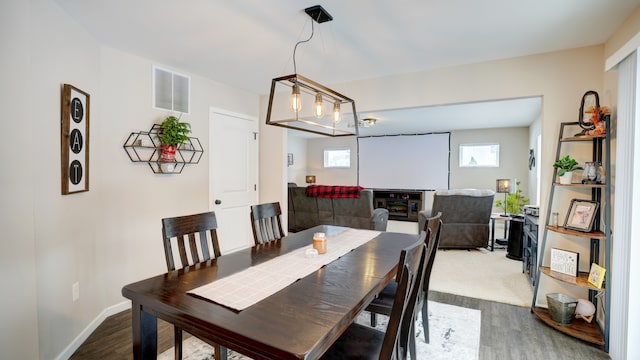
pixel 465 217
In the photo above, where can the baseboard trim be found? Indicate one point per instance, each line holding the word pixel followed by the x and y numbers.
pixel 93 325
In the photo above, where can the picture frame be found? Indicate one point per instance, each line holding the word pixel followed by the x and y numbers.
pixel 565 262
pixel 596 275
pixel 74 140
pixel 581 215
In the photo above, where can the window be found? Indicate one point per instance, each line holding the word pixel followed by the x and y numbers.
pixel 170 91
pixel 337 158
pixel 479 155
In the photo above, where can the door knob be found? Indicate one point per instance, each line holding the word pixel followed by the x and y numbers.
pixel 218 202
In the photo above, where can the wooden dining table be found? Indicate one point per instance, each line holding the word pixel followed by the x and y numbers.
pixel 300 321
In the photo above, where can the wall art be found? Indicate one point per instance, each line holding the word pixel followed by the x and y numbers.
pixel 74 140
pixel 565 262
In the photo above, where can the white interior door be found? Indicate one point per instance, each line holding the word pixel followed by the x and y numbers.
pixel 233 176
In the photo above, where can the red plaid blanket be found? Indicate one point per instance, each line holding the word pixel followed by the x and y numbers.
pixel 337 191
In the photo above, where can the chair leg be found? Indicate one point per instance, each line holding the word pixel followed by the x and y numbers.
pixel 177 346
pixel 412 341
pixel 373 319
pixel 425 320
pixel 220 352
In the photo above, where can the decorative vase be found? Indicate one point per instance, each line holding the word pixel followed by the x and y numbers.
pixel 590 173
pixel 168 153
pixel 566 178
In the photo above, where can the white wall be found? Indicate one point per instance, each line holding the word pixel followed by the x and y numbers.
pixel 297 146
pixel 332 176
pixel 104 238
pixel 18 315
pixel 66 227
pixel 534 132
pixel 514 155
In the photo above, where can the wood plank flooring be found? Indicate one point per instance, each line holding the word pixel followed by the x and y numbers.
pixel 507 332
pixel 513 332
pixel 112 339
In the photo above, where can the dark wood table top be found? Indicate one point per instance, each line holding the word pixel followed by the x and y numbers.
pixel 299 322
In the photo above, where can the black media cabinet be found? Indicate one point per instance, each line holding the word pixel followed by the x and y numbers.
pixel 403 205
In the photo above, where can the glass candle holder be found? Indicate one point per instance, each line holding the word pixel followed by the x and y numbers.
pixel 320 242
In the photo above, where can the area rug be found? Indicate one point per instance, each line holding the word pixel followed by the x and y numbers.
pixel 454 335
pixel 481 274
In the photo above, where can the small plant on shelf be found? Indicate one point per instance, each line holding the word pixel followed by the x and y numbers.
pixel 172 134
pixel 566 164
pixel 515 202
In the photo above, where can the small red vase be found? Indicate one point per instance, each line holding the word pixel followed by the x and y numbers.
pixel 168 153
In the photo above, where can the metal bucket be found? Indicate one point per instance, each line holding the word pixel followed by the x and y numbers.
pixel 562 308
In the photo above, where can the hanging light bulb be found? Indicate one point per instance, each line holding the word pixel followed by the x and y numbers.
pixel 295 98
pixel 319 108
pixel 336 112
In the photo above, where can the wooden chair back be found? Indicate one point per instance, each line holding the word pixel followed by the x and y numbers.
pixel 433 226
pixel 409 277
pixel 184 229
pixel 266 223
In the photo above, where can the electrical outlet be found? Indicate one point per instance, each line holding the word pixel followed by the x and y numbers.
pixel 75 290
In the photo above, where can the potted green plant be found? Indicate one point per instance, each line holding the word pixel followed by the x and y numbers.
pixel 173 133
pixel 566 166
pixel 514 203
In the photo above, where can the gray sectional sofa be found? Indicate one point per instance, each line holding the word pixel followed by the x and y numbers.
pixel 465 217
pixel 305 212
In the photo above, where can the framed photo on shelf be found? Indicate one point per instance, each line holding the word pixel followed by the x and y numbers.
pixel 596 275
pixel 581 215
pixel 565 262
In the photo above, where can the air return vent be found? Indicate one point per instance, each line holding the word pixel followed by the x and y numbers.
pixel 170 90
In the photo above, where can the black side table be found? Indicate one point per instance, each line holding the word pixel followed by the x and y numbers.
pixel 495 217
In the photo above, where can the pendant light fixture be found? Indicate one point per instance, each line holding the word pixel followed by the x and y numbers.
pixel 336 113
pixel 296 105
pixel 308 99
pixel 318 111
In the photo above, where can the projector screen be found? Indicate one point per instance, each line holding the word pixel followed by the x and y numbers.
pixel 411 162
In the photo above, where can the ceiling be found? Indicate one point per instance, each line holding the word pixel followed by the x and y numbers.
pixel 477 115
pixel 246 43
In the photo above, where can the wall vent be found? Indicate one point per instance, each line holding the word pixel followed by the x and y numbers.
pixel 171 91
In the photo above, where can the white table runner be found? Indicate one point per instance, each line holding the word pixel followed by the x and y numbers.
pixel 247 287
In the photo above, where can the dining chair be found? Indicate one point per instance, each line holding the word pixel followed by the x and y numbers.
pixel 183 230
pixel 363 342
pixel 383 303
pixel 433 246
pixel 266 223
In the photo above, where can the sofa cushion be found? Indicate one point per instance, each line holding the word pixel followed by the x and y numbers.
pixel 463 208
pixel 354 213
pixel 305 210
